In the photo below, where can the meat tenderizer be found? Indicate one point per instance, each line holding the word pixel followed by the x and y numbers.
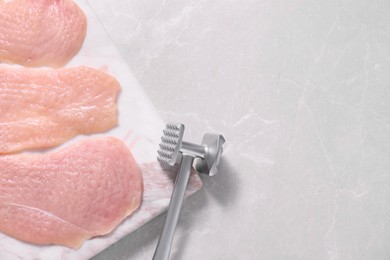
pixel 205 159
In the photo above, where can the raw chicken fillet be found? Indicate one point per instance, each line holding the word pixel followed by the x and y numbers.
pixel 66 197
pixel 40 32
pixel 43 107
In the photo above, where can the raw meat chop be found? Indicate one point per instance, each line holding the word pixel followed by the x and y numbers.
pixel 68 196
pixel 40 32
pixel 43 107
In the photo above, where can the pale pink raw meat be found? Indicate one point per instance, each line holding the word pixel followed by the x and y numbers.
pixel 44 107
pixel 71 195
pixel 40 32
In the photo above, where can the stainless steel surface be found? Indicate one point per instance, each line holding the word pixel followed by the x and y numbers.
pixel 207 156
pixel 213 145
pixel 195 149
pixel 164 244
pixel 171 143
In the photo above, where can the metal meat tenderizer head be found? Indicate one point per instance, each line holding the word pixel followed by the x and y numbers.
pixel 205 158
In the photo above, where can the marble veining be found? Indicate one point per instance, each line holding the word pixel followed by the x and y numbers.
pixel 301 91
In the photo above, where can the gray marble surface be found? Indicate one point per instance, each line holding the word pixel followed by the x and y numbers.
pixel 301 91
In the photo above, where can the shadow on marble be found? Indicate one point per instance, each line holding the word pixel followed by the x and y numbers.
pixel 223 186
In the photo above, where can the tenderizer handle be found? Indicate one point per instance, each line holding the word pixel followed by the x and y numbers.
pixel 164 244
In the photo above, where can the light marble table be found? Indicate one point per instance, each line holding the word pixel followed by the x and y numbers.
pixel 301 90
